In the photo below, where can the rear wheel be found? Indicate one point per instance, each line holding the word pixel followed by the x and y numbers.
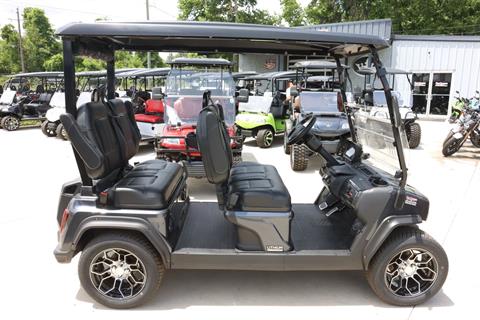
pixel 451 145
pixel 415 134
pixel 475 139
pixel 265 138
pixel 298 157
pixel 120 270
pixel 286 147
pixel 49 130
pixel 61 132
pixel 409 268
pixel 10 123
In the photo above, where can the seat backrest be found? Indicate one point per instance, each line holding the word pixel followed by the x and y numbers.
pixel 83 98
pixel 154 106
pixel 157 93
pixel 95 139
pixel 58 100
pixel 124 118
pixel 214 145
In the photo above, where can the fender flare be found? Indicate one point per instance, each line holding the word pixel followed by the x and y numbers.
pixel 132 224
pixel 390 223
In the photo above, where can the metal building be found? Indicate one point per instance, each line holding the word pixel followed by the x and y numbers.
pixel 439 65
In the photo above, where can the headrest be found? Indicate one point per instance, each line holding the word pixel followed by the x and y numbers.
pixel 157 93
pixel 154 106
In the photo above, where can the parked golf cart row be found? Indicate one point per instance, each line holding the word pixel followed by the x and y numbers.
pixel 131 223
pixel 20 105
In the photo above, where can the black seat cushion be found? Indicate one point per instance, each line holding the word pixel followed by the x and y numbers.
pixel 149 185
pixel 256 187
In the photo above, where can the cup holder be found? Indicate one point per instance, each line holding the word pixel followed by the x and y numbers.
pixel 378 182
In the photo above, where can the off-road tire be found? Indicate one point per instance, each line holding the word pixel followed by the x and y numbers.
pixel 415 135
pixel 475 139
pixel 299 157
pixel 141 248
pixel 48 131
pixel 265 138
pixel 237 158
pixel 61 133
pixel 10 123
pixel 451 145
pixel 401 239
pixel 286 147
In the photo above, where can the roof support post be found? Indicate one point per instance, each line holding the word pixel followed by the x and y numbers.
pixel 70 100
pixel 111 77
pixel 341 78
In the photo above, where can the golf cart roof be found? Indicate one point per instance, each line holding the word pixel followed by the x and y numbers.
pixel 243 74
pixel 103 73
pixel 200 62
pixel 272 75
pixel 317 64
pixel 193 36
pixel 144 72
pixel 319 78
pixel 371 70
pixel 47 74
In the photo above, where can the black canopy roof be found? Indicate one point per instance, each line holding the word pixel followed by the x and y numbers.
pixel 317 64
pixel 216 37
pixel 144 72
pixel 371 70
pixel 243 74
pixel 46 74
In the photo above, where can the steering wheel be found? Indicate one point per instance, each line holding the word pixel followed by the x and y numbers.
pixel 301 129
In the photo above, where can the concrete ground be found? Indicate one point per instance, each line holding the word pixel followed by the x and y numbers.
pixel 33 168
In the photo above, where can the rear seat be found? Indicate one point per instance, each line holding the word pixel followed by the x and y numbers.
pixel 154 110
pixel 106 137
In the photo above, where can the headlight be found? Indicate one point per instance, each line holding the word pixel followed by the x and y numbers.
pixel 171 140
pixel 345 126
pixel 410 115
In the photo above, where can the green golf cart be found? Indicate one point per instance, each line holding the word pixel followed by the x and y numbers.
pixel 262 111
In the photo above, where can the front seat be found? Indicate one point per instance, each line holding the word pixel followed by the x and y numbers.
pixel 106 136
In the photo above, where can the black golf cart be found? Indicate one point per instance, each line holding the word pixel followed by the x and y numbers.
pixel 132 222
pixel 373 99
pixel 22 106
pixel 323 96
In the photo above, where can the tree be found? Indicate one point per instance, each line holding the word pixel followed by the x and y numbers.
pixel 292 13
pixel 224 11
pixel 9 50
pixel 155 60
pixel 40 42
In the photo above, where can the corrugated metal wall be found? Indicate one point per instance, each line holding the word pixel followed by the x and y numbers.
pixel 381 27
pixel 462 58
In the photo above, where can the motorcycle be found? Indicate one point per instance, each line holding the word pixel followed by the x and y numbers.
pixel 467 127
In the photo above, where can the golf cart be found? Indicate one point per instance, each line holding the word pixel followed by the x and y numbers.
pixel 373 99
pixel 88 83
pixel 28 107
pixel 323 97
pixel 262 115
pixel 239 78
pixel 132 222
pixel 185 85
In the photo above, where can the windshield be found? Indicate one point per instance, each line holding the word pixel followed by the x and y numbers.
pixel 380 100
pixel 7 97
pixel 256 104
pixel 319 102
pixel 184 110
pixel 376 137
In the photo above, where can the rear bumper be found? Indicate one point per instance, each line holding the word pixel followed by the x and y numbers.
pixel 62 255
pixel 246 132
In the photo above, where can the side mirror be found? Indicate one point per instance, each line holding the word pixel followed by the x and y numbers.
pixel 243 95
pixel 293 92
pixel 397 118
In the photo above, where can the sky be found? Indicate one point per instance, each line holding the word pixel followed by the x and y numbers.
pixel 61 12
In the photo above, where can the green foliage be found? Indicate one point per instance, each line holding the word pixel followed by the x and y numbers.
pixel 292 13
pixel 40 42
pixel 155 60
pixel 408 16
pixel 9 53
pixel 225 11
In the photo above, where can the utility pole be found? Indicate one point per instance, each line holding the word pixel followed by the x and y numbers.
pixel 22 62
pixel 149 63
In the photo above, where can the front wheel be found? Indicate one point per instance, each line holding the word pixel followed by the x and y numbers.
pixel 49 129
pixel 451 145
pixel 10 123
pixel 120 270
pixel 286 147
pixel 298 157
pixel 265 138
pixel 409 268
pixel 61 132
pixel 415 134
pixel 475 139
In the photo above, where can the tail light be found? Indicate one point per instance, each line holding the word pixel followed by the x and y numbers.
pixel 340 102
pixel 65 217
